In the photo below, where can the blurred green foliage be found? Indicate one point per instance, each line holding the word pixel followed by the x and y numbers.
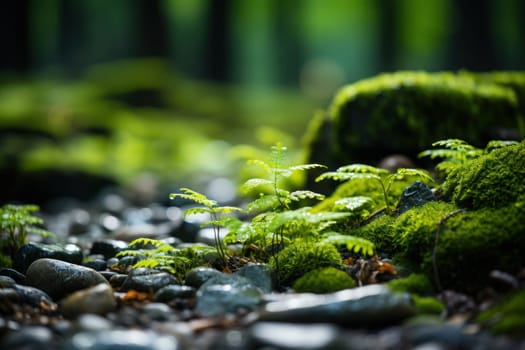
pixel 135 116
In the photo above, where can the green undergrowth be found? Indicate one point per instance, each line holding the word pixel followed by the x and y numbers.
pixel 323 280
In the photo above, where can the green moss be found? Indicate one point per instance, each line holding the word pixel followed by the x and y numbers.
pixel 301 257
pixel 506 317
pixel 416 283
pixel 324 280
pixel 474 243
pixel 493 180
pixel 427 305
pixel 405 112
pixel 378 231
pixel 413 232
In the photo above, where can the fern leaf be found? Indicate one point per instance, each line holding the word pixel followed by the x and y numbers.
pixel 402 172
pixel 361 168
pixel 254 183
pixel 299 195
pixel 353 203
pixel 356 244
pixel 197 211
pixel 263 203
pixel 343 176
pixel 305 167
pixel 194 196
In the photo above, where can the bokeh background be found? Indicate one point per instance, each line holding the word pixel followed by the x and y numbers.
pixel 153 94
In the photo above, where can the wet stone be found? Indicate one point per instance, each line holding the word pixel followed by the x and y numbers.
pixel 197 276
pixel 95 300
pixel 30 337
pixel 172 292
pixel 92 322
pixel 415 195
pixel 96 264
pixel 12 273
pixel 108 247
pixel 122 339
pixel 31 252
pixel 59 278
pixel 148 282
pixel 227 294
pixel 261 275
pixel 117 279
pixel 6 282
pixel 293 336
pixel 368 306
pixel 159 312
pixel 34 297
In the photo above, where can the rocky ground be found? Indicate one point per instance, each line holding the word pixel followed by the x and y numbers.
pixel 57 299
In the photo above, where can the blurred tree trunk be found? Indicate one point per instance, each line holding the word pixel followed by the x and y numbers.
pixel 472 45
pixel 152 30
pixel 289 49
pixel 388 34
pixel 14 28
pixel 217 49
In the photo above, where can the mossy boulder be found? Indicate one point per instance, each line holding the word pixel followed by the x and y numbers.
pixel 300 257
pixel 405 112
pixel 324 280
pixel 416 283
pixel 490 181
pixel 469 246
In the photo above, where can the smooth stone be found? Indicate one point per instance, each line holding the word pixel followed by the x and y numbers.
pixel 415 195
pixel 92 322
pixel 117 279
pixel 35 297
pixel 227 294
pixel 6 282
pixel 158 311
pixel 123 340
pixel 131 232
pixel 59 278
pixel 15 275
pixel 368 306
pixel 171 292
pixel 97 264
pixel 30 252
pixel 30 337
pixel 148 282
pixel 197 276
pixel 292 336
pixel 95 300
pixel 108 247
pixel 261 275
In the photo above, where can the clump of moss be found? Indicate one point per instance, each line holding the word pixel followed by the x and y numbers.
pixel 301 257
pixel 490 181
pixel 415 283
pixel 413 232
pixel 378 231
pixel 324 280
pixel 427 305
pixel 474 243
pixel 505 317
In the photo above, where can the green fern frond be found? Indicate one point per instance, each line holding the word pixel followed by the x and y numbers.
pixel 253 184
pixel 194 196
pixel 353 203
pixel 263 203
pixel 356 244
pixel 495 144
pixel 306 167
pixel 304 194
pixel 278 155
pixel 346 176
pixel 361 168
pixel 261 164
pixel 197 211
pixel 401 173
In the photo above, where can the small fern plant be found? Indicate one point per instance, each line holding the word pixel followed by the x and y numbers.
pixel 383 177
pixel 214 210
pixel 455 152
pixel 156 254
pixel 16 222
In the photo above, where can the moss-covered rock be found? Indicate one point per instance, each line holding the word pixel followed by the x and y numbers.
pixel 490 181
pixel 301 257
pixel 405 112
pixel 506 316
pixel 416 283
pixel 427 305
pixel 324 280
pixel 379 232
pixel 470 244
